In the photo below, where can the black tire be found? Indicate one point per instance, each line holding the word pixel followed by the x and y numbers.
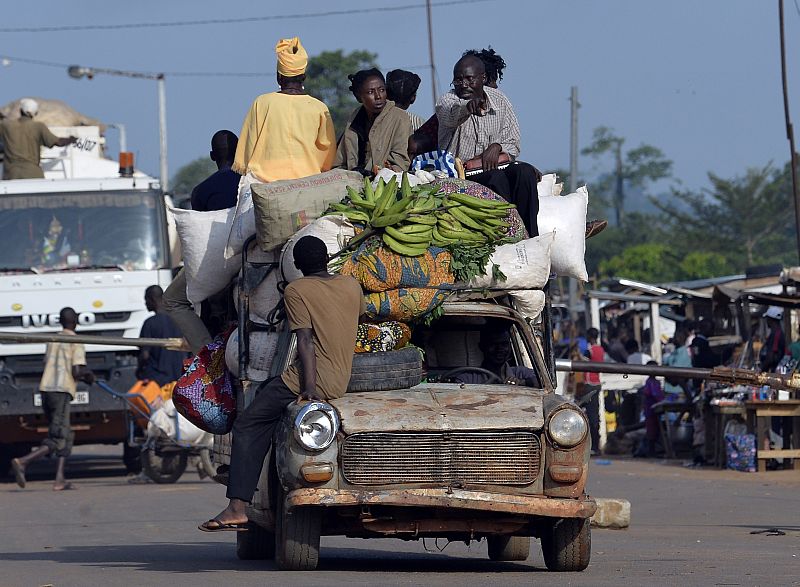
pixel 567 545
pixel 132 458
pixel 399 369
pixel 255 544
pixel 165 468
pixel 509 548
pixel 297 535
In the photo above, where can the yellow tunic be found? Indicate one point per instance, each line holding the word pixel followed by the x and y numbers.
pixel 285 136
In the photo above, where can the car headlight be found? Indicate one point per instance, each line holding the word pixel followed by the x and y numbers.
pixel 567 427
pixel 316 426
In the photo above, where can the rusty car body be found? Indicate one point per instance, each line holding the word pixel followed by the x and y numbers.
pixel 441 459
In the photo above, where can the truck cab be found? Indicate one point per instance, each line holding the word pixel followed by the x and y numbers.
pixel 439 459
pixel 83 237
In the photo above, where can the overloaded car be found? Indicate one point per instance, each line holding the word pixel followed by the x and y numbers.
pixel 427 443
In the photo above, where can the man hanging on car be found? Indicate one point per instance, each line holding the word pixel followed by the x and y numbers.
pixel 323 311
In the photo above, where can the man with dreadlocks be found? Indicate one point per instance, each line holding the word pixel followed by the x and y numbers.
pixel 323 311
pixel 493 63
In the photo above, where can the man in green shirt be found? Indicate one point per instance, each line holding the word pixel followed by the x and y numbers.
pixel 22 140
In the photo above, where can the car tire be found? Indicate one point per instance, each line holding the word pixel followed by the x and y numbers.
pixel 509 548
pixel 206 464
pixel 382 371
pixel 255 544
pixel 297 536
pixel 567 545
pixel 165 468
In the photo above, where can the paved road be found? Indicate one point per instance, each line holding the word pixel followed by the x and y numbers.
pixel 689 528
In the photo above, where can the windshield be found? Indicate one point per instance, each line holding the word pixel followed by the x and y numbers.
pixel 50 232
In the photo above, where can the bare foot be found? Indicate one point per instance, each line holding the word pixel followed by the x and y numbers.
pixel 66 485
pixel 231 518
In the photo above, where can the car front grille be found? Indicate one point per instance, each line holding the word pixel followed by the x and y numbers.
pixel 499 458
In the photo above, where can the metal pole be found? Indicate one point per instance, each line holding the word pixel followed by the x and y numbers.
pixel 789 129
pixel 573 185
pixel 123 136
pixel 162 132
pixel 175 344
pixel 430 53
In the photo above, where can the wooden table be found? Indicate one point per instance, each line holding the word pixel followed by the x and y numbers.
pixel 758 415
pixel 720 415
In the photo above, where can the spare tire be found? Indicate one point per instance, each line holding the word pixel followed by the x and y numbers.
pixel 399 369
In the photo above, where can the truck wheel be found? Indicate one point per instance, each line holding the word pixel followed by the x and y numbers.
pixel 255 544
pixel 567 545
pixel 399 369
pixel 132 458
pixel 297 535
pixel 165 468
pixel 509 548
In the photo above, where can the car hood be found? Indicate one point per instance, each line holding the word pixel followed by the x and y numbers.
pixel 435 407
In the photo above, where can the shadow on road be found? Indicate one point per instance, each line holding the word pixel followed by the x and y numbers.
pixel 200 557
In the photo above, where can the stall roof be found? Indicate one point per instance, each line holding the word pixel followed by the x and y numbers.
pixel 724 293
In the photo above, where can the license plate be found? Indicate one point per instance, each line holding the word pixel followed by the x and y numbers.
pixel 81 397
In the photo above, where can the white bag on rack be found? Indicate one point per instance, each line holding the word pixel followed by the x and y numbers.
pixel 566 216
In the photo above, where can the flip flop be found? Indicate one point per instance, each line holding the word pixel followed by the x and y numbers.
pixel 67 486
pixel 19 472
pixel 214 525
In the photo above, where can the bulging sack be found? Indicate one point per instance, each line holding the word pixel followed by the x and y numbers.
pixel 333 230
pixel 529 303
pixel 526 264
pixel 243 225
pixel 203 236
pixel 263 346
pixel 566 216
pixel 284 207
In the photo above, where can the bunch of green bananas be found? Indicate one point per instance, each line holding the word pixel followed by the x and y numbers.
pixel 412 219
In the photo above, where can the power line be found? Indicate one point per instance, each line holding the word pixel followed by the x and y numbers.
pixel 240 20
pixel 10 60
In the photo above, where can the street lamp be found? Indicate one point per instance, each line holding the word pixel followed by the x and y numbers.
pixel 78 72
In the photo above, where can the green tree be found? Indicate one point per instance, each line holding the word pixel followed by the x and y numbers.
pixel 636 229
pixel 649 262
pixel 703 264
pixel 632 169
pixel 326 80
pixel 747 220
pixel 191 174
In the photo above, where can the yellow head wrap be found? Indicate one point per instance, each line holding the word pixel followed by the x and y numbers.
pixel 292 58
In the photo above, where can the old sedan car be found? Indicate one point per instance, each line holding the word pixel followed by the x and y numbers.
pixel 419 455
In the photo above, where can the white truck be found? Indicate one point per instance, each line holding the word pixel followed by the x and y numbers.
pixel 87 237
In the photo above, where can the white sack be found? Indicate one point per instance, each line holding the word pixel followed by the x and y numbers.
pixel 526 264
pixel 162 421
pixel 566 216
pixel 529 302
pixel 547 186
pixel 334 231
pixel 263 346
pixel 387 174
pixel 203 236
pixel 243 225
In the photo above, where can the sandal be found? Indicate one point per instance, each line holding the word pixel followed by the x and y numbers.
pixel 214 525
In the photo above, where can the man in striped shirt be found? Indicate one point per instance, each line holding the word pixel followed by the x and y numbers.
pixel 478 122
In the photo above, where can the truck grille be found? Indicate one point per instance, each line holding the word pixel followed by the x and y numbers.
pixel 500 458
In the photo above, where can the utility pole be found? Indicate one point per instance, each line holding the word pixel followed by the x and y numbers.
pixel 789 129
pixel 431 60
pixel 573 185
pixel 162 132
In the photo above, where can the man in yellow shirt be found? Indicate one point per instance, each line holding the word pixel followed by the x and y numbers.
pixel 286 134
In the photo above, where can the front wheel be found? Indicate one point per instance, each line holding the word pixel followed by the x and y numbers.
pixel 509 548
pixel 567 545
pixel 166 467
pixel 297 535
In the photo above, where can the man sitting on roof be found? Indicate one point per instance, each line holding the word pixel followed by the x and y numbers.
pixel 495 344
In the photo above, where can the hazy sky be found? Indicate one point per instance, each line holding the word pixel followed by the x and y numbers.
pixel 699 79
